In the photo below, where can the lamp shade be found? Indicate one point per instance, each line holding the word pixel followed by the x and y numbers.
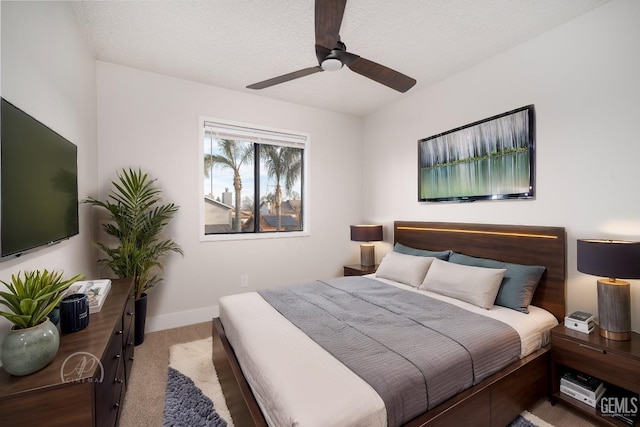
pixel 366 233
pixel 615 259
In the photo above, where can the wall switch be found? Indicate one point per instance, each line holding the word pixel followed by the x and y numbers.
pixel 244 280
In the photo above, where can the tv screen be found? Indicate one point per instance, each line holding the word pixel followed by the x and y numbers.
pixel 491 159
pixel 38 183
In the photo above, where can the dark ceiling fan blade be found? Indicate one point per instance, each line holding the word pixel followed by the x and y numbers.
pixel 329 15
pixel 382 74
pixel 285 78
pixel 321 53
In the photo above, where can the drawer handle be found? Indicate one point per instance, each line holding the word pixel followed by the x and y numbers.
pixel 117 356
pixel 588 347
pixel 131 358
pixel 129 313
pixel 118 381
pixel 119 333
pixel 116 405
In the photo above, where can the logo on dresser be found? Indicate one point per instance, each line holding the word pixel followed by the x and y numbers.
pixel 79 366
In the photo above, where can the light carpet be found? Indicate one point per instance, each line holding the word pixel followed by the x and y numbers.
pixel 192 387
pixel 193 361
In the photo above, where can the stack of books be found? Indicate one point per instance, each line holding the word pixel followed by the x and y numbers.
pixel 579 321
pixel 96 291
pixel 585 388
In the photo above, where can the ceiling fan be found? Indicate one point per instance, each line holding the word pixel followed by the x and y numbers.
pixel 329 15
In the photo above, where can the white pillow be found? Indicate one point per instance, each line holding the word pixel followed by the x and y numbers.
pixel 475 285
pixel 407 269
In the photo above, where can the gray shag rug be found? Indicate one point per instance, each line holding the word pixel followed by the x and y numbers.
pixel 193 396
pixel 521 421
pixel 527 419
pixel 185 405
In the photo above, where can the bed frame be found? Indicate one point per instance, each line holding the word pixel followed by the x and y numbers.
pixel 498 399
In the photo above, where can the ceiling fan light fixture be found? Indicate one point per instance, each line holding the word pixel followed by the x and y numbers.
pixel 331 64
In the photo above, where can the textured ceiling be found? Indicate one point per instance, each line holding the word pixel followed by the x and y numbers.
pixel 233 43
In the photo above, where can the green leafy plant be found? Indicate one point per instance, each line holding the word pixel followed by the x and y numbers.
pixel 30 300
pixel 136 221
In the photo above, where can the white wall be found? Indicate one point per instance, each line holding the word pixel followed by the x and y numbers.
pixel 584 79
pixel 49 72
pixel 151 121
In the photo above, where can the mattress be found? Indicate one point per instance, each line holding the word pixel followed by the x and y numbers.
pixel 297 383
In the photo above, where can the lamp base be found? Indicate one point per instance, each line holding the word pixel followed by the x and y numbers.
pixel 367 255
pixel 614 309
pixel 615 336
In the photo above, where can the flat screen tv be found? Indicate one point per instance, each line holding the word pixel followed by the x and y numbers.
pixel 38 184
pixel 491 159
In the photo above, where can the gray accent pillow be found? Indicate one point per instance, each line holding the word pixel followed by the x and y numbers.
pixel 518 285
pixel 443 255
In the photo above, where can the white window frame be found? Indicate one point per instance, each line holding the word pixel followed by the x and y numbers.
pixel 254 134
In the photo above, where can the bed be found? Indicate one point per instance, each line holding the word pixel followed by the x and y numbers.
pixel 494 400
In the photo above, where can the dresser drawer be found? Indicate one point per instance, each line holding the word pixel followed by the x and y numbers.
pixel 127 318
pixel 597 361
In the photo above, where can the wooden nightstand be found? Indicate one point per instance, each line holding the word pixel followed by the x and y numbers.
pixel 616 363
pixel 359 270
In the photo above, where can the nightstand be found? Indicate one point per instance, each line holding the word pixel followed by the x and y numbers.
pixel 359 270
pixel 616 363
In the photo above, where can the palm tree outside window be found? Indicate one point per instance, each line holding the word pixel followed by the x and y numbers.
pixel 253 180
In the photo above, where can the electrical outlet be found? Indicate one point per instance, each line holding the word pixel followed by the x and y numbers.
pixel 244 280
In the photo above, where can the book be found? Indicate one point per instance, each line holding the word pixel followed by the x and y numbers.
pixel 96 291
pixel 581 316
pixel 583 381
pixel 586 392
pixel 581 397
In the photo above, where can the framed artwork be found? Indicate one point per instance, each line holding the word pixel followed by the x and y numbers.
pixel 491 159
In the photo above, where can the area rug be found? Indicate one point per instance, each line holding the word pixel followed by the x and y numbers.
pixel 194 397
pixel 527 419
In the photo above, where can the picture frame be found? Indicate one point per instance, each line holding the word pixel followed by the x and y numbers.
pixel 491 159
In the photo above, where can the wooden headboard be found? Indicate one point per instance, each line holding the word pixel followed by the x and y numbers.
pixel 520 244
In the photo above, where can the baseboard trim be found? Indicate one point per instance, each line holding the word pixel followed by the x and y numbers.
pixel 182 318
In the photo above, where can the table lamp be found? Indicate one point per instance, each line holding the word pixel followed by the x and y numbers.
pixel 367 234
pixel 614 259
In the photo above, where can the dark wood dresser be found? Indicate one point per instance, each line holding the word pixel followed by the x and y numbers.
pixel 85 384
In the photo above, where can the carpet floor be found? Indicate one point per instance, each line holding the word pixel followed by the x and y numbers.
pixel 145 400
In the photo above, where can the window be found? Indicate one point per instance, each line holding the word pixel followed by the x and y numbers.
pixel 253 180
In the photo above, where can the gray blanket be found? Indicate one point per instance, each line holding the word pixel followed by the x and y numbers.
pixel 413 350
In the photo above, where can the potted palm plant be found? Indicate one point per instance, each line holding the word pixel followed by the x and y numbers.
pixel 33 340
pixel 136 221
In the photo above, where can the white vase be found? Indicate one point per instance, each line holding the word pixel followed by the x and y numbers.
pixel 25 351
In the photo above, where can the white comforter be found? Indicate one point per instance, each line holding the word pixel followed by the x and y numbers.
pixel 297 383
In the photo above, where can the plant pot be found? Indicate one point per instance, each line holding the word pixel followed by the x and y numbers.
pixel 140 318
pixel 25 351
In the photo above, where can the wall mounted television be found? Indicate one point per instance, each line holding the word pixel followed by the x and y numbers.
pixel 38 184
pixel 491 159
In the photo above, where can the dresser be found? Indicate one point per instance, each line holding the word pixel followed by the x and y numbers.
pixel 86 383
